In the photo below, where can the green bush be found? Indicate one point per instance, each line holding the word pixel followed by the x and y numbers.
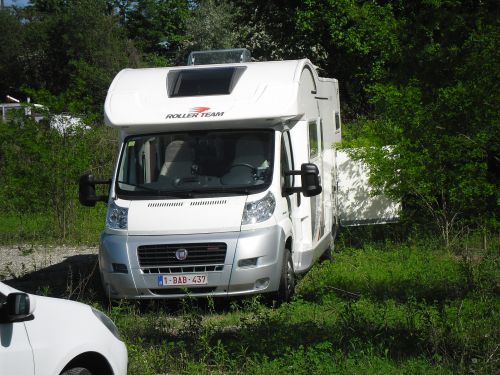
pixel 39 171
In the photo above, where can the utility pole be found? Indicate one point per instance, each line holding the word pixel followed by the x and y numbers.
pixel 1 4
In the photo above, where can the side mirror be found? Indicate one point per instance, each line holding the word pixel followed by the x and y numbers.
pixel 311 183
pixel 86 192
pixel 18 307
pixel 310 180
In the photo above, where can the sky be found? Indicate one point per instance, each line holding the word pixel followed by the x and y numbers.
pixel 19 3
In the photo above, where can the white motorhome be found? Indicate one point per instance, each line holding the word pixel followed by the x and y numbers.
pixel 226 180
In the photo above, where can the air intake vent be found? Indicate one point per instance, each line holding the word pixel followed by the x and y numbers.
pixel 209 203
pixel 169 204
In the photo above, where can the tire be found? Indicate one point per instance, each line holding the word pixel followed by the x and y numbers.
pixel 287 280
pixel 76 371
pixel 327 255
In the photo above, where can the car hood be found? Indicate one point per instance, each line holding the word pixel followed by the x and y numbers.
pixel 186 216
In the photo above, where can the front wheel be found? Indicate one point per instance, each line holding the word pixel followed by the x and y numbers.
pixel 327 255
pixel 76 371
pixel 287 280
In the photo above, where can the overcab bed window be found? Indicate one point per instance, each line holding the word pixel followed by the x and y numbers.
pixel 205 81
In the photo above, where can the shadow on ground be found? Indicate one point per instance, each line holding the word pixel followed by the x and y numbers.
pixel 76 278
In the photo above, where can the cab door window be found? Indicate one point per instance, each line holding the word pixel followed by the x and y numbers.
pixel 313 139
pixel 286 160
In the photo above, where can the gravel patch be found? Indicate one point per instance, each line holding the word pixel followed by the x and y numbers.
pixel 20 261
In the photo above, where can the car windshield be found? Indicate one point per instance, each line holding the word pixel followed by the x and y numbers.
pixel 188 164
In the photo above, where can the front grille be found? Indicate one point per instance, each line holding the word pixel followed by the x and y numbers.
pixel 154 256
pixel 177 291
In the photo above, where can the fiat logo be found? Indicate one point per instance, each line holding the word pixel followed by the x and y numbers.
pixel 181 254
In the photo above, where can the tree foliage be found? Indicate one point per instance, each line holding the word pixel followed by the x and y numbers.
pixel 212 26
pixel 40 165
pixel 67 48
pixel 156 26
pixel 440 116
pixel 11 45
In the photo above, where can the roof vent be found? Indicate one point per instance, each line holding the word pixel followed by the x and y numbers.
pixel 219 56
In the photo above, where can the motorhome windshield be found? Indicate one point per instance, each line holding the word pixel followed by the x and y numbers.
pixel 190 164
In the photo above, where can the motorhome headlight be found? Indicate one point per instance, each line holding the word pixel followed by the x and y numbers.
pixel 116 217
pixel 258 211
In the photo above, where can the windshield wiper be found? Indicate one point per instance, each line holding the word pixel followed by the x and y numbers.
pixel 175 193
pixel 138 186
pixel 190 193
pixel 238 191
pixel 162 193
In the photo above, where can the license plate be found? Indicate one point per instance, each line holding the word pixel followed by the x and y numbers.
pixel 198 279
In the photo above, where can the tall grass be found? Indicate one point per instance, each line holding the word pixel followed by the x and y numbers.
pixel 377 309
pixel 393 310
pixel 85 228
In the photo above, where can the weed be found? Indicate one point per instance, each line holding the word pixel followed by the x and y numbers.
pixel 26 250
pixel 44 290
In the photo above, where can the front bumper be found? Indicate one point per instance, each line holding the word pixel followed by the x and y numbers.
pixel 230 279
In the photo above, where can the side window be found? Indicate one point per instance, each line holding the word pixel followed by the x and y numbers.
pixel 337 120
pixel 125 169
pixel 321 134
pixel 286 159
pixel 313 140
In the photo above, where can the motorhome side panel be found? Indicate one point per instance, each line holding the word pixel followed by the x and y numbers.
pixel 326 99
pixel 358 204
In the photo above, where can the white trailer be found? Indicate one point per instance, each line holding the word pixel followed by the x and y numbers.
pixel 226 181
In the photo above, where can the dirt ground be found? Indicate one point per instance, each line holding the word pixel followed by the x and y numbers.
pixel 61 271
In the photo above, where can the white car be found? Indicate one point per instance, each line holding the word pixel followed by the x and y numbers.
pixel 50 336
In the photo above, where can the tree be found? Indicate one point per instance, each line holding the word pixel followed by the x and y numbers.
pixel 440 114
pixel 359 42
pixel 72 49
pixel 212 25
pixel 157 27
pixel 11 45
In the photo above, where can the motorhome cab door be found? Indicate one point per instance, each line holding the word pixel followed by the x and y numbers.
pixel 316 154
pixel 312 217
